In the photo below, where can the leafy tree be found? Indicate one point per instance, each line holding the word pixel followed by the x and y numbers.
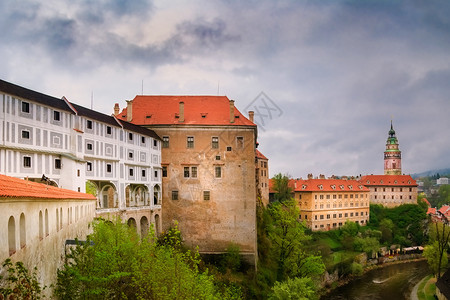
pixel 434 259
pixel 287 234
pixel 19 283
pixel 117 264
pixel 301 288
pixel 440 235
pixel 91 188
pixel 356 269
pixel 387 229
pixel 283 191
pixel 370 245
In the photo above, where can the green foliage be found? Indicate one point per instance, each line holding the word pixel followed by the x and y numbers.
pixel 356 269
pixel 119 265
pixel 434 258
pixel 91 188
pixel 369 245
pixel 19 283
pixel 302 288
pixel 281 186
pixel 440 238
pixel 232 259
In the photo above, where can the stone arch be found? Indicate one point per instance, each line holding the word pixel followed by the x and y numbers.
pixel 12 235
pixel 41 225
pixel 144 226
pixel 136 195
pixel 156 194
pixel 132 223
pixel 157 225
pixel 108 196
pixel 23 232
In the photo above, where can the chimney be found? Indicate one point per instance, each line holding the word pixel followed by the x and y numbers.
pixel 129 110
pixel 116 109
pixel 181 118
pixel 231 111
pixel 310 176
pixel 251 115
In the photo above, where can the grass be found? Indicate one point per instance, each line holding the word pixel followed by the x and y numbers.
pixel 427 288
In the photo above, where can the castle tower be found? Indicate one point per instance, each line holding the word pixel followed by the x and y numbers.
pixel 392 155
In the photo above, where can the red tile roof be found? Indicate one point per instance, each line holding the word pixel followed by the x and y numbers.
pixel 431 210
pixel 324 185
pixel 388 180
pixel 198 110
pixel 426 201
pixel 445 210
pixel 260 155
pixel 11 187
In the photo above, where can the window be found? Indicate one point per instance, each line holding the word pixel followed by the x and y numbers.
pixel 12 235
pixel 131 172
pixel 190 142
pixel 155 143
pixel 108 168
pixel 321 217
pixel 130 155
pixel 186 172
pixel 165 142
pixel 351 214
pixel 240 142
pixel 27 162
pixel 89 166
pixel 89 146
pixel 56 115
pixel 206 195
pixel 130 136
pixel 229 148
pixel 217 157
pixel 164 171
pixel 174 195
pixel 25 134
pixel 156 174
pixel 215 142
pixel 346 215
pixel 143 173
pixel 218 172
pixel 143 139
pixel 57 163
pixel 194 172
pixel 88 124
pixel 25 107
pixel 108 130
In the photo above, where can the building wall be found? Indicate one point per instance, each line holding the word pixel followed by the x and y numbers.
pixel 228 214
pixel 123 165
pixel 262 169
pixel 393 196
pixel 330 210
pixel 40 237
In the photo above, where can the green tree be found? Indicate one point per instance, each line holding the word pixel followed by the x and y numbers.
pixel 283 191
pixel 387 229
pixel 440 236
pixel 301 288
pixel 19 283
pixel 117 264
pixel 434 258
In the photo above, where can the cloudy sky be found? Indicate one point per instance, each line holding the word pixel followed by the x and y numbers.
pixel 334 72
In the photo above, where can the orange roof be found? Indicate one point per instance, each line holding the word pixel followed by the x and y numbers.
pixel 198 110
pixel 11 187
pixel 260 155
pixel 388 180
pixel 431 210
pixel 444 209
pixel 426 201
pixel 324 185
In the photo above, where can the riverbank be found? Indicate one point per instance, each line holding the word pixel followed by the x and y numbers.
pixel 343 281
pixel 424 289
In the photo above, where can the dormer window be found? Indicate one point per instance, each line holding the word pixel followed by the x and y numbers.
pixel 368 181
pixel 360 187
pixel 333 186
pixel 381 181
pixel 320 187
pixel 395 181
pixel 304 187
pixel 148 116
pixel 409 181
pixel 204 115
pixel 342 186
pixel 350 187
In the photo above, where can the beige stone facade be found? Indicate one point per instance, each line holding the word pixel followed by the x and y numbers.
pixel 391 190
pixel 208 169
pixel 262 177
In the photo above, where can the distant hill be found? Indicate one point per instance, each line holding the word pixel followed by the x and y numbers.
pixel 430 173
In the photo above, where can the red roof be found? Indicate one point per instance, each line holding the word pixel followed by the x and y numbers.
pixel 426 201
pixel 323 185
pixel 445 210
pixel 198 110
pixel 431 210
pixel 388 180
pixel 11 187
pixel 260 155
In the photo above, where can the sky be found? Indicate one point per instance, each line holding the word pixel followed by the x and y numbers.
pixel 325 78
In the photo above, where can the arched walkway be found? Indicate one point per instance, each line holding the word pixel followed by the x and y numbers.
pixel 157 225
pixel 136 195
pixel 144 226
pixel 156 195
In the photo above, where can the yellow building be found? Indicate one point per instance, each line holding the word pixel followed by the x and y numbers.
pixel 327 204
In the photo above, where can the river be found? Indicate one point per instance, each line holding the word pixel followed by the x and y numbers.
pixel 394 281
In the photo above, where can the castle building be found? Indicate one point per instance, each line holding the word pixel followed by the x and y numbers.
pixel 391 189
pixel 208 167
pixel 69 145
pixel 262 177
pixel 37 219
pixel 327 203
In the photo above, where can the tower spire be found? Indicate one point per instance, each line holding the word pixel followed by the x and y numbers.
pixel 392 155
